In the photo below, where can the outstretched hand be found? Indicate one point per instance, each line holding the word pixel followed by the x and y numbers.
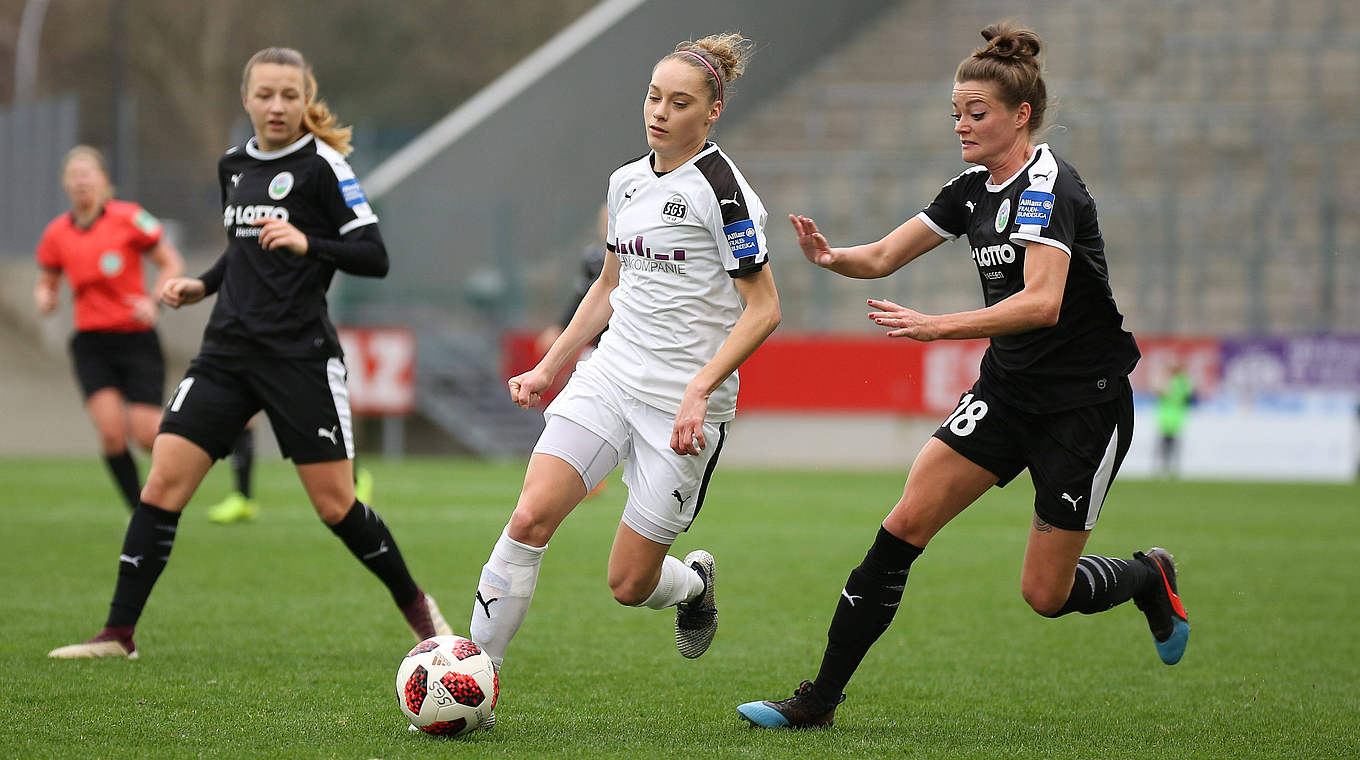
pixel 908 323
pixel 813 243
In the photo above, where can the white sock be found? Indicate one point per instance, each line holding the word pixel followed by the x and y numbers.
pixel 679 583
pixel 503 594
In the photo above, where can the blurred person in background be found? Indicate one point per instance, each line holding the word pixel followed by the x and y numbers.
pixel 294 214
pixel 1174 400
pixel 1053 394
pixel 241 506
pixel 98 245
pixel 591 264
pixel 687 297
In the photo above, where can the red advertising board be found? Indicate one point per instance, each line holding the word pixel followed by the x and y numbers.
pixel 823 373
pixel 382 369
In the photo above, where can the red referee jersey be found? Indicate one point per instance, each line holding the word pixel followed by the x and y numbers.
pixel 103 263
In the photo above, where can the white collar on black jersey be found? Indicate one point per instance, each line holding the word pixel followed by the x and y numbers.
pixel 253 148
pixel 998 188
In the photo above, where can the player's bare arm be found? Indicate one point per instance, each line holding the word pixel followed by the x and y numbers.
pixel 46 291
pixel 590 318
pixel 1036 305
pixel 866 262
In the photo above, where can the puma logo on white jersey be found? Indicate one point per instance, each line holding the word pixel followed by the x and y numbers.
pixel 1074 501
pixel 331 434
pixel 733 200
pixel 134 561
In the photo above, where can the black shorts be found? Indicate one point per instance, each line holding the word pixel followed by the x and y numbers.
pixel 130 362
pixel 306 400
pixel 1072 455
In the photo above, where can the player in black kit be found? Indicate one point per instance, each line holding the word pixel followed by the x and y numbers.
pixel 294 214
pixel 1053 395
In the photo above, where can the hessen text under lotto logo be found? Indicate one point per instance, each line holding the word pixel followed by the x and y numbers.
pixel 1035 207
pixel 354 195
pixel 741 238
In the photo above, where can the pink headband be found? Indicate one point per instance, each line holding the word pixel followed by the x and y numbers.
pixel 708 66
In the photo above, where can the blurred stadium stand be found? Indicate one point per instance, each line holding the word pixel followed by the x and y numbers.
pixel 1214 135
pixel 1199 127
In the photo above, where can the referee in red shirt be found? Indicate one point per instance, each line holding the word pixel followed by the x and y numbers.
pixel 98 245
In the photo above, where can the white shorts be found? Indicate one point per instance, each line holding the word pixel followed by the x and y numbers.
pixel 593 424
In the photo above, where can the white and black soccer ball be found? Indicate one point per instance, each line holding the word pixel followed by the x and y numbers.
pixel 447 686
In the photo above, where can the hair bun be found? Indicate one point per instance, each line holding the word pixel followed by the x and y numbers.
pixel 1006 42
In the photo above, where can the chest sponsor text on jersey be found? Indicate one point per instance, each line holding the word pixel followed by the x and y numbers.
pixel 990 257
pixel 244 218
pixel 634 254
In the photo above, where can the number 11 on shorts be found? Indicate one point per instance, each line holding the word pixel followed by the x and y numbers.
pixel 177 398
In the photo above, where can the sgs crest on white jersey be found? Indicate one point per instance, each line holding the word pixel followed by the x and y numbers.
pixel 680 237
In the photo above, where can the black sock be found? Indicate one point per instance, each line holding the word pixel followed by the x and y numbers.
pixel 1104 582
pixel 243 459
pixel 867 605
pixel 368 538
pixel 125 475
pixel 146 548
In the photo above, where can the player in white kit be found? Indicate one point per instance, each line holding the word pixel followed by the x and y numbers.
pixel 687 297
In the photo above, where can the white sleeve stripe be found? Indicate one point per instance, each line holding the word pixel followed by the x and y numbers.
pixel 339 166
pixel 1034 237
pixel 357 223
pixel 935 227
pixel 1046 178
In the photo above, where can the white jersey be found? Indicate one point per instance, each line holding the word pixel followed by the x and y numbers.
pixel 680 238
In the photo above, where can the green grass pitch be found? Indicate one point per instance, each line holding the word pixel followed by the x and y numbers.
pixel 268 640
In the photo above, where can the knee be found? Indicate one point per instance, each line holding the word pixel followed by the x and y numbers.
pixel 1045 601
pixel 112 442
pixel 529 525
pixel 164 492
pixel 630 591
pixel 146 438
pixel 332 509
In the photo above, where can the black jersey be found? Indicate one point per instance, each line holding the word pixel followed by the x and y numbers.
pixel 274 302
pixel 1078 361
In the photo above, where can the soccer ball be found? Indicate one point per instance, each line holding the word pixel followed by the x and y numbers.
pixel 447 686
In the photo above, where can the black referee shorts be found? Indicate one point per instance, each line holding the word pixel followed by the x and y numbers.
pixel 306 400
pixel 1072 456
pixel 130 362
